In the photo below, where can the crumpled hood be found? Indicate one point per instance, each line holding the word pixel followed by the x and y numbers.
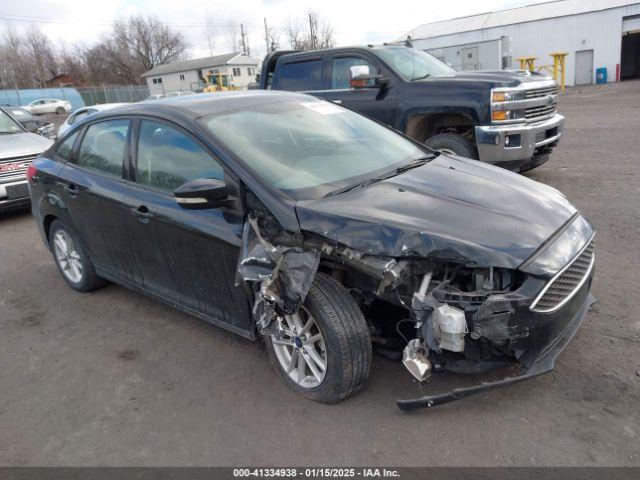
pixel 21 144
pixel 451 208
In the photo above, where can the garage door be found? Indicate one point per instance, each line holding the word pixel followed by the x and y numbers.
pixel 584 67
pixel 630 24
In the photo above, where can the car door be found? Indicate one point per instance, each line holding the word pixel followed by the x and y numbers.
pixel 186 256
pixel 37 107
pixel 378 103
pixel 93 188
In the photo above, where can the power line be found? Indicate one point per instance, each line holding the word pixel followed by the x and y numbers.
pixel 59 21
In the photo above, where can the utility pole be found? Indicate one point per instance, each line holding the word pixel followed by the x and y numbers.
pixel 266 35
pixel 312 35
pixel 244 43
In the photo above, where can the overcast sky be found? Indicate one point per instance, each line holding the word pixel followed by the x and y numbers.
pixel 354 22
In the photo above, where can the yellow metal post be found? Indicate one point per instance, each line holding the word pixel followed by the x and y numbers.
pixel 559 62
pixel 527 63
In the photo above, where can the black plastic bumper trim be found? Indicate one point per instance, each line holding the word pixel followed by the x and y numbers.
pixel 543 364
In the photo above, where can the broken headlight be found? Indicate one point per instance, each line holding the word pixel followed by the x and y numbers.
pixel 558 251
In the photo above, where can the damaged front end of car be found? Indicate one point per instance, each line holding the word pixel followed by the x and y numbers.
pixel 432 306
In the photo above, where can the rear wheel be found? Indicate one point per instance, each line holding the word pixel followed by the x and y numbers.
pixel 452 144
pixel 324 350
pixel 60 110
pixel 71 258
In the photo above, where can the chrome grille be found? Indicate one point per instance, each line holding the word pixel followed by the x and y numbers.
pixel 540 112
pixel 564 285
pixel 541 92
pixel 11 174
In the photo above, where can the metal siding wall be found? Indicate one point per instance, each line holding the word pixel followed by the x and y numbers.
pixel 600 31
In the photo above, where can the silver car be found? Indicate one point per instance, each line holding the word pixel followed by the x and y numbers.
pixel 18 148
pixel 83 112
pixel 48 105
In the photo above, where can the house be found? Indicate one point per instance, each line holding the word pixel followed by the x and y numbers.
pixel 63 80
pixel 596 35
pixel 191 75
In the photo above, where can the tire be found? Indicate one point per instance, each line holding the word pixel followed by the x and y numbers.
pixel 450 143
pixel 88 280
pixel 346 342
pixel 60 111
pixel 535 162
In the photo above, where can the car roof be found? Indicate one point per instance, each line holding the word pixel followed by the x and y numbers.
pixel 203 104
pixel 106 106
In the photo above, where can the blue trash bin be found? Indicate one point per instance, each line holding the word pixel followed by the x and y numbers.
pixel 601 75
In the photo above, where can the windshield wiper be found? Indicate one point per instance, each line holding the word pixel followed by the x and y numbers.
pixel 418 162
pixel 421 77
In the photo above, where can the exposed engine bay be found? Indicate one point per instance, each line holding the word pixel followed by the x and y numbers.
pixel 434 315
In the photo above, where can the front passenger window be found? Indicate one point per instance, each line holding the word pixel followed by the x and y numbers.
pixel 341 71
pixel 167 158
pixel 103 147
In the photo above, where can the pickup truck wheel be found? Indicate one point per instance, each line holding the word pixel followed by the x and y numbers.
pixel 452 144
pixel 323 351
pixel 71 258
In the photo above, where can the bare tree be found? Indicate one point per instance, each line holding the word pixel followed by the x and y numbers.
pixel 232 36
pixel 14 69
pixel 313 33
pixel 138 44
pixel 42 56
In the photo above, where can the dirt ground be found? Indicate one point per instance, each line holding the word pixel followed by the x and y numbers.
pixel 114 378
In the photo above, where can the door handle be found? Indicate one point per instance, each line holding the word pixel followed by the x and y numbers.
pixel 72 190
pixel 337 101
pixel 143 213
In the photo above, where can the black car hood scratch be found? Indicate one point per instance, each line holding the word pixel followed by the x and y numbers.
pixel 451 208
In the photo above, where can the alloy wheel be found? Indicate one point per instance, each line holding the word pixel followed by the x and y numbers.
pixel 300 349
pixel 67 256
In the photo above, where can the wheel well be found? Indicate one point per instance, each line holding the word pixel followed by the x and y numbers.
pixel 421 127
pixel 48 220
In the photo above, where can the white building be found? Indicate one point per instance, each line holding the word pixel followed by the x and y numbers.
pixel 191 75
pixel 595 33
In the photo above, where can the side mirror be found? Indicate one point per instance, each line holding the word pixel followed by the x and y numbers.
pixel 361 77
pixel 201 194
pixel 31 126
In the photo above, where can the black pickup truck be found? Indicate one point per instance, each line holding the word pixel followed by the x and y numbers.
pixel 507 118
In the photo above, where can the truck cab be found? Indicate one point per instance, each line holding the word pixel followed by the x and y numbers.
pixel 507 118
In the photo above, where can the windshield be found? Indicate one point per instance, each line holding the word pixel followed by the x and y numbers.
pixel 20 114
pixel 309 148
pixel 414 64
pixel 7 124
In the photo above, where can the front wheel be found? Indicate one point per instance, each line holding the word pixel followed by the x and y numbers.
pixel 452 144
pixel 60 111
pixel 324 350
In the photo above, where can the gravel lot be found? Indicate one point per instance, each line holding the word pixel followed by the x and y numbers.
pixel 114 378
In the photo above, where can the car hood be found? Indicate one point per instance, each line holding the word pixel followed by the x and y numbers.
pixel 496 78
pixel 22 144
pixel 451 208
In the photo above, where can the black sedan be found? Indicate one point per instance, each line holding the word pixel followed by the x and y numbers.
pixel 280 216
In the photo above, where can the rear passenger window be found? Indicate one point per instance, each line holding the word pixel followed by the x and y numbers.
pixel 65 148
pixel 167 158
pixel 103 147
pixel 302 76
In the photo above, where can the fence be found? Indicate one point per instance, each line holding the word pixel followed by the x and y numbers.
pixel 27 95
pixel 113 93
